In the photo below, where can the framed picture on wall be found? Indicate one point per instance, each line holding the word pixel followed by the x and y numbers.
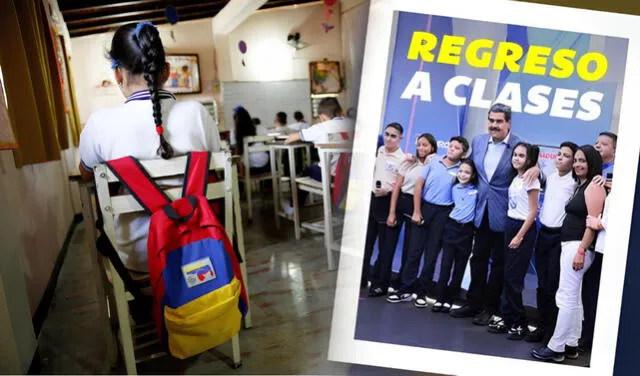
pixel 184 74
pixel 325 77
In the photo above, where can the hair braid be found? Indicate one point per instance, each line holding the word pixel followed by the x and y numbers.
pixel 152 61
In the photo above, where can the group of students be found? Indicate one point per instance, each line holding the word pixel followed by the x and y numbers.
pixel 246 126
pixel 486 206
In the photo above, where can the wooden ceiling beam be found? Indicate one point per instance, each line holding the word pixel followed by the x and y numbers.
pixel 219 4
pixel 110 7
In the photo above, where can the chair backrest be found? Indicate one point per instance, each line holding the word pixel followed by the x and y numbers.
pixel 251 141
pixel 111 205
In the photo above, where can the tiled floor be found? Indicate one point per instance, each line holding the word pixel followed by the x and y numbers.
pixel 292 296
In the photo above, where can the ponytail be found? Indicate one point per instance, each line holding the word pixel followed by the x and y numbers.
pixel 153 60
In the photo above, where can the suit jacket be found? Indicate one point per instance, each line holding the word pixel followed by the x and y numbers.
pixel 493 193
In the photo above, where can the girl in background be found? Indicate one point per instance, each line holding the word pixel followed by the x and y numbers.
pixel 457 238
pixel 243 126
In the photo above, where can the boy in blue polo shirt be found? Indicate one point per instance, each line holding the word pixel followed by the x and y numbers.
pixel 432 203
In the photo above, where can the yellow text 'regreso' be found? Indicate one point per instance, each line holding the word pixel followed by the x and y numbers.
pixel 486 53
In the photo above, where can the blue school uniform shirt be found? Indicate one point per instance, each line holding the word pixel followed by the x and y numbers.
pixel 607 168
pixel 438 182
pixel 464 201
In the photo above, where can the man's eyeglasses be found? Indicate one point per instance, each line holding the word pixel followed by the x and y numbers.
pixel 497 121
pixel 390 135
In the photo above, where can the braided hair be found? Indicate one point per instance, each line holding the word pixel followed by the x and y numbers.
pixel 138 49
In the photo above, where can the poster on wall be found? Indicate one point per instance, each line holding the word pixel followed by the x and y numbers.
pixel 438 68
pixel 7 139
pixel 325 77
pixel 184 74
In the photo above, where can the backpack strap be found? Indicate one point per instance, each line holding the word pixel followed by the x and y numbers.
pixel 141 186
pixel 196 175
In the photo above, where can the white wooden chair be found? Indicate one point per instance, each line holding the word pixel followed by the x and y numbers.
pixel 110 205
pixel 253 144
pixel 323 188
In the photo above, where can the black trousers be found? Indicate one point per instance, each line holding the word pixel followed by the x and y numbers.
pixel 433 246
pixel 426 240
pixel 456 248
pixel 376 229
pixel 547 258
pixel 590 291
pixel 404 210
pixel 516 264
pixel 485 293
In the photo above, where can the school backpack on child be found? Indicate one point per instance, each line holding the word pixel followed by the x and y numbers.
pixel 199 297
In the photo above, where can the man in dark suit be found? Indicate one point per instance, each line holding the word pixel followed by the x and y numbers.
pixel 491 153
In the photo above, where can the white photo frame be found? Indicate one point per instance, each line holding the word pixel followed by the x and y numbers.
pixel 373 90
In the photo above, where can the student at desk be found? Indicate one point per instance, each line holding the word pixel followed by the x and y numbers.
pixel 150 124
pixel 243 126
pixel 332 122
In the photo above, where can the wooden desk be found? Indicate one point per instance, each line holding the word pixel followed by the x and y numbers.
pixel 274 147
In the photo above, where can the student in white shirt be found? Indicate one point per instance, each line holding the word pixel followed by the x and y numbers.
pixel 149 125
pixel 385 174
pixel 332 123
pixel 559 188
pixel 401 206
pixel 300 123
pixel 519 238
pixel 243 126
pixel 280 121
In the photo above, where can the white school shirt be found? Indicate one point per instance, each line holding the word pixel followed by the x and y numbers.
pixel 557 193
pixel 602 234
pixel 386 168
pixel 411 171
pixel 297 127
pixel 519 197
pixel 320 133
pixel 129 130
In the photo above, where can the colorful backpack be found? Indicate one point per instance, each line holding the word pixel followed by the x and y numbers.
pixel 199 297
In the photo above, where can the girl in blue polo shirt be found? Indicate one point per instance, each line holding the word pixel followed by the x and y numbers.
pixel 458 236
pixel 519 239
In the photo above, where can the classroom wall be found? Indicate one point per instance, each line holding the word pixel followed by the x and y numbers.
pixel 268 56
pixel 90 66
pixel 36 215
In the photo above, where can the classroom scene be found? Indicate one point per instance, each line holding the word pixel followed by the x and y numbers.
pixel 487 236
pixel 174 177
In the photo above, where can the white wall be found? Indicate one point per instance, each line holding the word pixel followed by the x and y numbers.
pixel 268 56
pixel 36 215
pixel 90 66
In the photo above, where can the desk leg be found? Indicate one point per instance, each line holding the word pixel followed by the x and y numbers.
pixel 240 236
pixel 275 186
pixel 90 240
pixel 326 203
pixel 294 193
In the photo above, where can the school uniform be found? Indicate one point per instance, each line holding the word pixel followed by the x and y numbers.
pixel 437 203
pixel 516 261
pixel 569 322
pixel 404 209
pixel 558 191
pixel 456 242
pixel 385 171
pixel 591 282
pixel 297 127
pixel 129 130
